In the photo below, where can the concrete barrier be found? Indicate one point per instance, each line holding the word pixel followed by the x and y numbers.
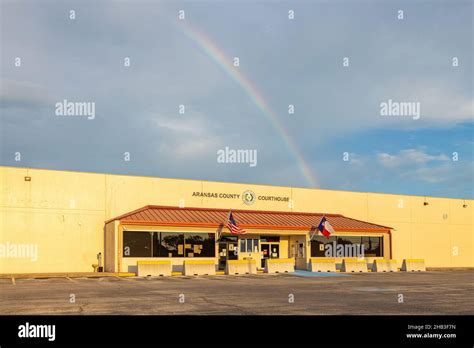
pixel 384 266
pixel 279 265
pixel 322 264
pixel 413 265
pixel 241 267
pixel 354 265
pixel 199 267
pixel 154 268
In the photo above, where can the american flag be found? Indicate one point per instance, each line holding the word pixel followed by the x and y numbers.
pixel 232 225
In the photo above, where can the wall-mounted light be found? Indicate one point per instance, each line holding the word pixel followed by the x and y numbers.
pixel 464 204
pixel 27 178
pixel 425 202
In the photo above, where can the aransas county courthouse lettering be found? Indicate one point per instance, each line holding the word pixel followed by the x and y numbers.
pixel 249 197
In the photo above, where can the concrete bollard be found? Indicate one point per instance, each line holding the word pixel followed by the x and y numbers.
pixel 241 267
pixel 322 264
pixel 154 268
pixel 384 266
pixel 354 265
pixel 413 265
pixel 279 265
pixel 199 267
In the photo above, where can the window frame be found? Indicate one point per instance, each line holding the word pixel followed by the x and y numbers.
pixel 156 237
pixel 187 235
pixel 137 232
pixel 351 239
pixel 245 241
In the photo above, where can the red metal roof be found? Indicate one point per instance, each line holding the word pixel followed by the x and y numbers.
pixel 272 220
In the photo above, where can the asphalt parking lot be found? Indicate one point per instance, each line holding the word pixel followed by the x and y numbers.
pixel 434 292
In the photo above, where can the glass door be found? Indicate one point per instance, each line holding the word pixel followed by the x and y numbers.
pixel 232 251
pixel 265 249
pixel 274 251
pixel 269 251
pixel 227 251
pixel 222 255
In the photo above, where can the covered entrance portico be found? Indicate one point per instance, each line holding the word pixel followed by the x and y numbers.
pixel 198 236
pixel 263 246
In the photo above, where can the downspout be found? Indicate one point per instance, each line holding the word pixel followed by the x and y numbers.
pixel 119 247
pixel 390 241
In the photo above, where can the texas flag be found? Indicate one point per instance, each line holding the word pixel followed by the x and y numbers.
pixel 325 227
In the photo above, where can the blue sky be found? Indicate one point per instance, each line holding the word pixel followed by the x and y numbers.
pixel 299 62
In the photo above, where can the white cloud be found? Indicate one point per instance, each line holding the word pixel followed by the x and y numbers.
pixel 442 105
pixel 188 148
pixel 24 94
pixel 432 175
pixel 187 136
pixel 417 165
pixel 408 157
pixel 184 125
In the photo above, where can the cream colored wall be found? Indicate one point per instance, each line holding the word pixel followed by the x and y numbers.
pixel 111 246
pixel 284 247
pixel 64 212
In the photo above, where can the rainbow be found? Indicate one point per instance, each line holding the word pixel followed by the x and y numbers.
pixel 216 54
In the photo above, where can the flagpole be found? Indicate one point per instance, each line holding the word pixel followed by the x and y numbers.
pixel 228 215
pixel 311 235
pixel 220 234
pixel 316 229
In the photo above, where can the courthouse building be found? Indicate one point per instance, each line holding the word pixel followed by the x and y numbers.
pixel 71 217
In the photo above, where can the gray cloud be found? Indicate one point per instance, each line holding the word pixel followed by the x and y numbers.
pixel 297 62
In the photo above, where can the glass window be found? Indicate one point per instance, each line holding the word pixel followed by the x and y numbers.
pixel 300 250
pixel 137 244
pixel 228 239
pixel 349 240
pixel 256 245
pixel 200 245
pixel 171 244
pixel 157 244
pixel 249 245
pixel 269 239
pixel 318 244
pixel 243 245
pixel 373 246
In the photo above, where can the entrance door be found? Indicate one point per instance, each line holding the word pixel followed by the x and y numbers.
pixel 274 251
pixel 265 249
pixel 269 251
pixel 232 251
pixel 300 257
pixel 227 251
